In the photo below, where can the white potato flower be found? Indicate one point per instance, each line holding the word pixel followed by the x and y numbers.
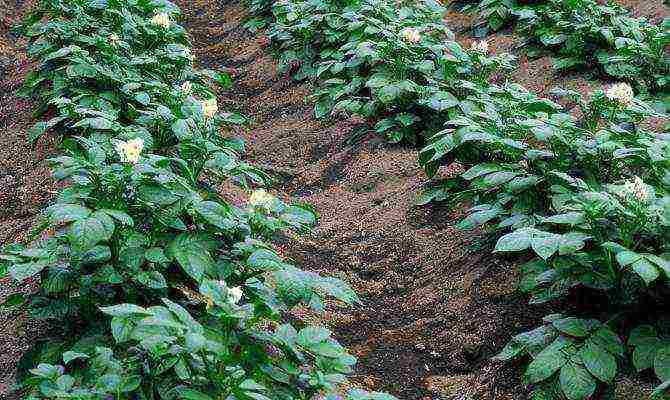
pixel 261 198
pixel 209 107
pixel 638 189
pixel 162 20
pixel 410 35
pixel 114 39
pixel 187 87
pixel 130 151
pixel 481 46
pixel 622 93
pixel 234 294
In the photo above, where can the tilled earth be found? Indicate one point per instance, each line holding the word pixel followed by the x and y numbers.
pixel 25 182
pixel 433 311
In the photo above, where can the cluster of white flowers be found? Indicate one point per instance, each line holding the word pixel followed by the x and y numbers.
pixel 261 199
pixel 410 35
pixel 162 20
pixel 186 87
pixel 114 39
pixel 481 46
pixel 188 54
pixel 638 189
pixel 234 294
pixel 209 107
pixel 130 151
pixel 622 93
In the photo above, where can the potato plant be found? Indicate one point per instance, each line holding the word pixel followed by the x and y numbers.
pixel 588 198
pixel 157 286
pixel 395 64
pixel 578 185
pixel 588 33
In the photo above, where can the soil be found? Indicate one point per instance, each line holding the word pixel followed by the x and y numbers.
pixel 433 310
pixel 25 183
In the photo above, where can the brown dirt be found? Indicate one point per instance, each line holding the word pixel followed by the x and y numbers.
pixel 25 184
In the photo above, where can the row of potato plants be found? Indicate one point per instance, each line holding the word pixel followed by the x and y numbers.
pixel 578 187
pixel 587 34
pixel 156 285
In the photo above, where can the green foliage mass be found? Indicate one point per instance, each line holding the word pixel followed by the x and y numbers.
pixel 588 34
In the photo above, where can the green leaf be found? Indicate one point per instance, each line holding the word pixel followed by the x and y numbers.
pixel 156 255
pixel 216 214
pixel 576 382
pixel 83 70
pixel 571 242
pixel 389 93
pixel 122 328
pixel 640 333
pixel 510 351
pixel 608 340
pixel 646 270
pixel 98 4
pixel 264 260
pixel 662 364
pixel 571 218
pixel 625 258
pixel 479 170
pixel 250 385
pixel 143 98
pixel 598 361
pixel 72 355
pixel 131 259
pixel 572 326
pixel 86 233
pixel 96 255
pixel 545 245
pixel 478 218
pixel 645 353
pixel 157 194
pixel 312 335
pixel 12 301
pixel 660 390
pixel 441 101
pixel 152 279
pixel 24 271
pixel 515 241
pixel 124 310
pixel 183 128
pixel 191 394
pixel 377 81
pixel 36 131
pixel 194 258
pixel 99 123
pixel 547 362
pixel 60 213
pixel 120 216
pixel 183 315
